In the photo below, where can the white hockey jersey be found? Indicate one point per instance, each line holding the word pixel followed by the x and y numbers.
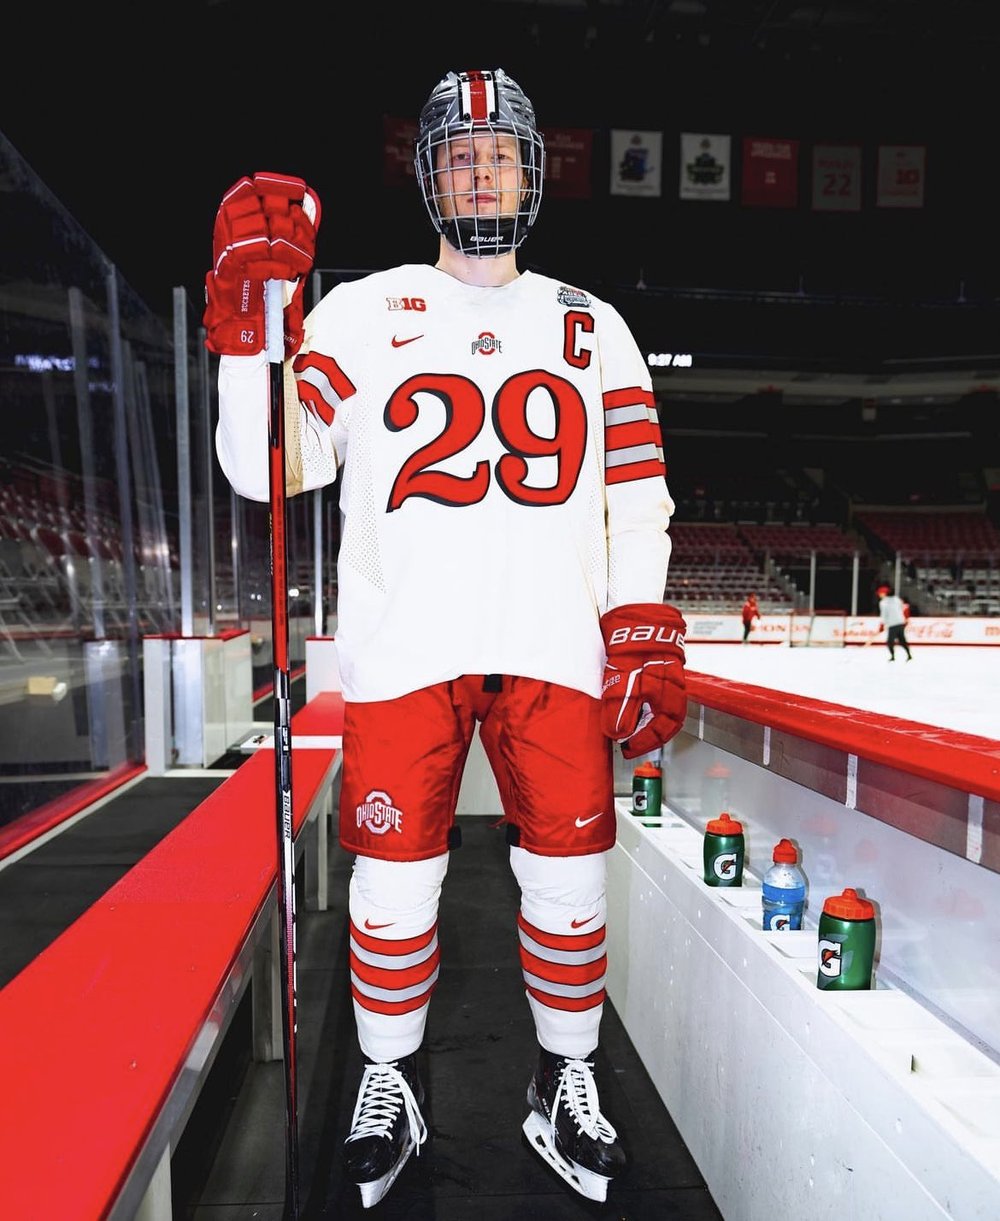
pixel 503 477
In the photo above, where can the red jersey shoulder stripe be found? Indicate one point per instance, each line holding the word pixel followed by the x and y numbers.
pixel 322 384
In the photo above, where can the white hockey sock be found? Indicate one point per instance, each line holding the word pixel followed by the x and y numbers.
pixel 561 926
pixel 394 951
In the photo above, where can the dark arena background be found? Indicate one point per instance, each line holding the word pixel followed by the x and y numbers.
pixel 793 206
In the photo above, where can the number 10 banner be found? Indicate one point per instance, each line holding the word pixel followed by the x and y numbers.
pixel 836 178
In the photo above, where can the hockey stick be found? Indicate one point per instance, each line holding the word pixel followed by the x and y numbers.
pixel 274 331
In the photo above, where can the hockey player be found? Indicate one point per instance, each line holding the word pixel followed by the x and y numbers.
pixel 750 613
pixel 503 558
pixel 894 613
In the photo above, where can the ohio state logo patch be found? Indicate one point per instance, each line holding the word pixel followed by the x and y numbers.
pixel 378 815
pixel 486 343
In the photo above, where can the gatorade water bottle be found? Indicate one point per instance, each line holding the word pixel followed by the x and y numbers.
pixel 783 890
pixel 647 793
pixel 846 950
pixel 723 852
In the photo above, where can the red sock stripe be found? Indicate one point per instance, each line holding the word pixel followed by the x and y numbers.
pixel 386 977
pixel 562 941
pixel 564 973
pixel 391 1007
pixel 382 945
pixel 571 1004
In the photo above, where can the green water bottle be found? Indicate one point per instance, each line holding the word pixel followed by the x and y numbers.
pixel 724 848
pixel 647 793
pixel 846 949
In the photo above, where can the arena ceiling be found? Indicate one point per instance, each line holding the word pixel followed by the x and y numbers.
pixel 803 26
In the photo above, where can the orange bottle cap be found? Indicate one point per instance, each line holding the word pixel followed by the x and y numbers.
pixel 647 769
pixel 784 852
pixel 849 906
pixel 724 825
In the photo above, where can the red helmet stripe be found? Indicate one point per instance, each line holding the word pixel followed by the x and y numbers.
pixel 478 106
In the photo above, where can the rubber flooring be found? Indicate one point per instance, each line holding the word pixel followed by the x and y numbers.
pixel 477 1060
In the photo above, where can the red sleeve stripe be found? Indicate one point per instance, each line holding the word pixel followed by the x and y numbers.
pixel 575 1004
pixel 322 384
pixel 324 372
pixel 546 972
pixel 383 945
pixel 636 433
pixel 636 470
pixel 628 396
pixel 313 401
pixel 392 979
pixel 391 1008
pixel 561 941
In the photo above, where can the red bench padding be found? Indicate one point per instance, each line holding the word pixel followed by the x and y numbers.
pixel 99 1025
pixel 323 714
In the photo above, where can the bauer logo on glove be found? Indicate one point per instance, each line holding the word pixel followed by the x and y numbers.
pixel 643 697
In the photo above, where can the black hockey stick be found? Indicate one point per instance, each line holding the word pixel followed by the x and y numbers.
pixel 275 341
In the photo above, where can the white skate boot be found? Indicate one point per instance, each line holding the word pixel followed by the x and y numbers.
pixel 566 1128
pixel 387 1126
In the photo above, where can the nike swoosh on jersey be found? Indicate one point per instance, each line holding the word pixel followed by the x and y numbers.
pixel 368 924
pixel 581 923
pixel 399 343
pixel 582 822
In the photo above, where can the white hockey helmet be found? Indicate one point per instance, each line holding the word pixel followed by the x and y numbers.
pixel 463 104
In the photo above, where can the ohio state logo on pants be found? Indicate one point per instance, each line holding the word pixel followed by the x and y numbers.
pixel 378 815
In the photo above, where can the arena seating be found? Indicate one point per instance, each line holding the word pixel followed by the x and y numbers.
pixel 952 556
pixel 956 536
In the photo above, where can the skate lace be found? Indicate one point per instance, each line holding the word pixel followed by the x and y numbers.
pixel 384 1090
pixel 577 1092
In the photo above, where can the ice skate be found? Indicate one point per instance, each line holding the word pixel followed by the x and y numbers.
pixel 566 1128
pixel 387 1126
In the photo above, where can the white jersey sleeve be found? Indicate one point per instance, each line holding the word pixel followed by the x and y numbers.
pixel 639 506
pixel 241 436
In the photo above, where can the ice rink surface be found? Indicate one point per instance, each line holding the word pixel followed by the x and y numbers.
pixel 949 686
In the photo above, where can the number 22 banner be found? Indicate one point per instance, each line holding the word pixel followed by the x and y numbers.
pixel 836 178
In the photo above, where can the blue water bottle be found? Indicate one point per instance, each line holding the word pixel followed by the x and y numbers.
pixel 783 891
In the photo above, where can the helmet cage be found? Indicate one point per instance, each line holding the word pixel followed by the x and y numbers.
pixel 464 106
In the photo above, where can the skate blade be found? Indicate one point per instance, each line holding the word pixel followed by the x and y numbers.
pixel 590 1185
pixel 372 1192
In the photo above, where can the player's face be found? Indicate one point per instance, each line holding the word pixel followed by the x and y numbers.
pixel 478 176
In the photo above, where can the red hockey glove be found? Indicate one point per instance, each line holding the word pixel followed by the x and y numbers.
pixel 644 699
pixel 265 229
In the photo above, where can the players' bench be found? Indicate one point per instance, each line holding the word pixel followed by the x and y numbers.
pixel 109 1034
